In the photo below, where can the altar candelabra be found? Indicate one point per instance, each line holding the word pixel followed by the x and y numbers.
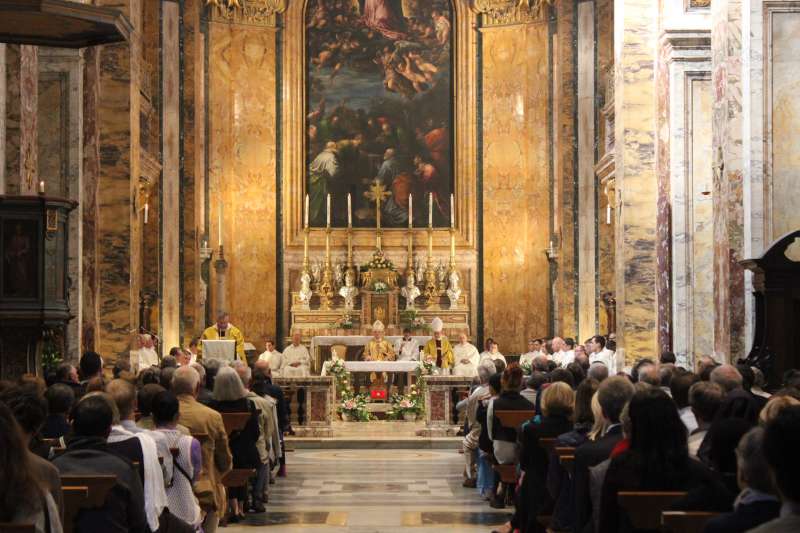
pixel 326 286
pixel 431 290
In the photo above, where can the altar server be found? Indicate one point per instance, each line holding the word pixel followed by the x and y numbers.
pixel 492 352
pixel 296 359
pixel 598 353
pixel 466 357
pixel 407 347
pixel 438 350
pixel 273 357
pixel 224 330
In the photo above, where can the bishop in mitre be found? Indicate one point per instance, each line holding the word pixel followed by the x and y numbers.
pixel 273 357
pixel 438 350
pixel 224 330
pixel 379 349
pixel 296 359
pixel 466 358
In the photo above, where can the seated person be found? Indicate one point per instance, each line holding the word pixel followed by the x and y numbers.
pixel 59 402
pixel 757 502
pixel 88 454
pixel 657 460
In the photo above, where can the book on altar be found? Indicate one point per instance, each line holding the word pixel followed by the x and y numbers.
pixel 224 350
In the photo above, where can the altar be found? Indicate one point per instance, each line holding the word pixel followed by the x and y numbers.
pixel 353 346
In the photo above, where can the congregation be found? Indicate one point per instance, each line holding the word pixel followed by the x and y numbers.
pixel 713 434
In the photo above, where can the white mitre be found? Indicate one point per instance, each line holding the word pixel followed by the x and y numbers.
pixel 437 325
pixel 378 326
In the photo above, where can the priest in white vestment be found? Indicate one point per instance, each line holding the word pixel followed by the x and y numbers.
pixel 534 350
pixel 598 353
pixel 296 359
pixel 145 356
pixel 466 358
pixel 273 357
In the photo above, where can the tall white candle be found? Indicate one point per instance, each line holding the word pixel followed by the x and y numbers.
pixel 146 212
pixel 349 211
pixel 328 210
pixel 220 224
pixel 41 187
pixel 306 225
pixel 430 209
pixel 410 210
pixel 452 212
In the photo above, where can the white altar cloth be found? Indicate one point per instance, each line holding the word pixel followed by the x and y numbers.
pixel 381 366
pixel 357 340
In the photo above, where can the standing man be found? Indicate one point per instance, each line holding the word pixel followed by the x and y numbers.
pixel 192 350
pixel 534 347
pixel 273 357
pixel 407 349
pixel 598 353
pixel 224 330
pixel 466 357
pixel 438 350
pixel 296 360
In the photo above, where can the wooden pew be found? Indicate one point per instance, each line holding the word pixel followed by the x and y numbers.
pixel 83 492
pixel 235 421
pixel 511 419
pixel 238 477
pixel 685 521
pixel 547 444
pixel 566 457
pixel 17 528
pixel 644 508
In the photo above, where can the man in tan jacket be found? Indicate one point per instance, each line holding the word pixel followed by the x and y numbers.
pixel 217 459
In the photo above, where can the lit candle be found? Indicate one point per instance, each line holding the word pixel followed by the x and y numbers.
pixel 410 211
pixel 328 211
pixel 349 211
pixel 41 187
pixel 430 209
pixel 219 229
pixel 306 211
pixel 146 211
pixel 452 212
pixel 608 214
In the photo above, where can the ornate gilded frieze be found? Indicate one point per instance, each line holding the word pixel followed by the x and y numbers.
pixel 250 12
pixel 507 12
pixel 699 3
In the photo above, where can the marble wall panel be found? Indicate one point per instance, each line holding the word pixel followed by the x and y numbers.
pixel 53 132
pixel 28 104
pixel 242 145
pixel 635 34
pixel 784 119
pixel 90 170
pixel 11 118
pixel 516 184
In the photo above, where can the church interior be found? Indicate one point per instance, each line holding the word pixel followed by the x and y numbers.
pixel 371 208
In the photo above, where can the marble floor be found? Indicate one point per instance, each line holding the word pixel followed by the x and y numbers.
pixel 374 490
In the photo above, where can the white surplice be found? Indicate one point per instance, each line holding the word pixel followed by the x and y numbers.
pixel 469 353
pixel 295 354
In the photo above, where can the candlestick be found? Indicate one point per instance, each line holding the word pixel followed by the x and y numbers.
pixel 306 212
pixel 452 247
pixel 410 211
pixel 41 187
pixel 305 250
pixel 430 209
pixel 452 212
pixel 146 211
pixel 349 211
pixel 328 211
pixel 219 229
pixel 430 243
pixel 608 214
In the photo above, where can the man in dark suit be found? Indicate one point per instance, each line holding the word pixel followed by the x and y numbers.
pixel 88 454
pixel 757 503
pixel 613 394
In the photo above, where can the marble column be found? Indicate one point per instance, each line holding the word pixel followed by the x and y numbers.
pixel 635 35
pixel 515 180
pixel 729 289
pixel 20 101
pixel 90 171
pixel 170 175
pixel 587 190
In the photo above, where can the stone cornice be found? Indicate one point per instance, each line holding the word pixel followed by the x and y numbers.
pixel 262 13
pixel 509 12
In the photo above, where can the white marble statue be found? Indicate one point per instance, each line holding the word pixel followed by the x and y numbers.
pixel 410 291
pixel 349 291
pixel 305 288
pixel 454 290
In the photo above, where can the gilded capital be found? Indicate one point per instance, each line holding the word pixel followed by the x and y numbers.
pixel 507 12
pixel 252 12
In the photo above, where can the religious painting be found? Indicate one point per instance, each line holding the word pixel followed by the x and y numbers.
pixel 379 112
pixel 19 258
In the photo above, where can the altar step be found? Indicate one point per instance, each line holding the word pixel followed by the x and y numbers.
pixel 376 435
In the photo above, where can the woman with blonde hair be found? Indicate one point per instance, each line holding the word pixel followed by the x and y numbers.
pixel 600 423
pixel 774 406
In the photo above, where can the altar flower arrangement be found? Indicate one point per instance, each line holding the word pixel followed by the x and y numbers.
pixel 409 318
pixel 426 368
pixel 344 322
pixel 407 406
pixel 378 262
pixel 341 376
pixel 354 408
pixel 380 286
